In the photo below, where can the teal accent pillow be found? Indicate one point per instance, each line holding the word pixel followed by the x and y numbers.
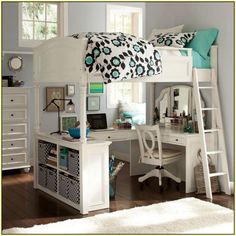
pixel 203 40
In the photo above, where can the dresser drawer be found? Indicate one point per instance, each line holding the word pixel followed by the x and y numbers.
pixel 14 115
pixel 14 158
pixel 173 139
pixel 14 144
pixel 14 129
pixel 14 100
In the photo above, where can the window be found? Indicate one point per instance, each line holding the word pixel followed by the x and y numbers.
pixel 40 21
pixel 127 20
pixel 126 92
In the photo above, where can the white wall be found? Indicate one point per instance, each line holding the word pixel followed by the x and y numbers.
pixel 200 16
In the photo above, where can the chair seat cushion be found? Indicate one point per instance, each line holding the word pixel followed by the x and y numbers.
pixel 166 153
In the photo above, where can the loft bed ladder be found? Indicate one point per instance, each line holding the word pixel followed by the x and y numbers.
pixel 217 130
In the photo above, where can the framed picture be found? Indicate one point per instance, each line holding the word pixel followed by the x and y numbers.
pixel 93 103
pixel 7 81
pixel 70 90
pixel 4 82
pixel 58 93
pixel 67 121
pixel 95 88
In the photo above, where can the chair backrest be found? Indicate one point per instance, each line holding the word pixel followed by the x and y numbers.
pixel 148 136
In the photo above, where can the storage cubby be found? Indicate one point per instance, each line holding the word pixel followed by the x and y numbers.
pixel 52 179
pixel 74 190
pixel 65 180
pixel 69 187
pixel 47 153
pixel 73 162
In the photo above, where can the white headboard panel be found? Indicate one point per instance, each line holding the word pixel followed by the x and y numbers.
pixel 59 60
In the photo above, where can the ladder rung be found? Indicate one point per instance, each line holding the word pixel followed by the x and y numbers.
pixel 216 174
pixel 211 130
pixel 213 152
pixel 209 108
pixel 210 87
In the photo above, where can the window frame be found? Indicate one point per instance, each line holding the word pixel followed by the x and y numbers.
pixel 62 25
pixel 137 96
pixel 131 9
pixel 137 88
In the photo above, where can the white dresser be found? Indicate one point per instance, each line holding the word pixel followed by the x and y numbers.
pixel 15 128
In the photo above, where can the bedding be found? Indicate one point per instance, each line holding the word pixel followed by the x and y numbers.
pixel 176 29
pixel 136 112
pixel 203 40
pixel 199 62
pixel 177 40
pixel 120 56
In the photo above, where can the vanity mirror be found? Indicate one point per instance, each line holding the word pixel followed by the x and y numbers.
pixel 175 100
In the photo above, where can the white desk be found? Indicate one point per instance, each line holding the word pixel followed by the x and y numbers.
pixel 189 142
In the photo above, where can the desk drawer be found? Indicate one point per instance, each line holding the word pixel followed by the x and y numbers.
pixel 14 129
pixel 173 140
pixel 14 115
pixel 14 158
pixel 14 100
pixel 118 135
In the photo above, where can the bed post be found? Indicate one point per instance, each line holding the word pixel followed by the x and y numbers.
pixel 82 94
pixel 213 56
pixel 151 102
pixel 37 116
pixel 82 108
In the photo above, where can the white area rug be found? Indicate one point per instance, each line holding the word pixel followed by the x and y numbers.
pixel 188 215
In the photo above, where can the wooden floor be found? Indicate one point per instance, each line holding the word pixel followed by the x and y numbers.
pixel 23 206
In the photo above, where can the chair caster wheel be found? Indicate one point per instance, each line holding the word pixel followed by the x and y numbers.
pixel 27 170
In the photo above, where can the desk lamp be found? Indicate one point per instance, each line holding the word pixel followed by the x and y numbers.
pixel 70 108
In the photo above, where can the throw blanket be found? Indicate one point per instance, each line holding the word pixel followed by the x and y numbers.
pixel 120 56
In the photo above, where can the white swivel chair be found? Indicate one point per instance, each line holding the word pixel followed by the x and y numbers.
pixel 148 137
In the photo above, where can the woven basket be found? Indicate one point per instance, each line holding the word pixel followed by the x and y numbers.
pixel 199 176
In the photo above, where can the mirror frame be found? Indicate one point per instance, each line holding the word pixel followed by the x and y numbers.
pixel 190 103
pixel 168 91
pixel 11 66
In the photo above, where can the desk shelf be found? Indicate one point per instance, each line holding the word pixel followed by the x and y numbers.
pixel 91 170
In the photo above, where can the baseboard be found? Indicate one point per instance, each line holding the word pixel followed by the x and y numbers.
pixel 231 184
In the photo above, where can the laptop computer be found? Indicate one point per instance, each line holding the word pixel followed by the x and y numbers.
pixel 98 122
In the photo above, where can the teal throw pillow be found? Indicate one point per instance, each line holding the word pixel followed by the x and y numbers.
pixel 203 40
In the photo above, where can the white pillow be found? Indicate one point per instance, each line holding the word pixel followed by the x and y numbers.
pixel 176 29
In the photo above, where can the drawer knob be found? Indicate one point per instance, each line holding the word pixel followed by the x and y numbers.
pixel 109 137
pixel 12 144
pixel 12 115
pixel 12 159
pixel 12 130
pixel 12 100
pixel 176 139
pixel 155 136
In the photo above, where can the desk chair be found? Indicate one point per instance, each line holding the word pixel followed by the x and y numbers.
pixel 148 137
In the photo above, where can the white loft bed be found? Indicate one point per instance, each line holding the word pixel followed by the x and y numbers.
pixel 62 60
